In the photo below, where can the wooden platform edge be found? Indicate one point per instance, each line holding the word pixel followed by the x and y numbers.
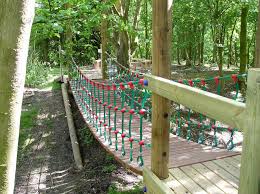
pixel 153 184
pixel 118 159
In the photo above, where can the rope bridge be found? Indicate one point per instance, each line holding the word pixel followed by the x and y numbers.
pixel 118 112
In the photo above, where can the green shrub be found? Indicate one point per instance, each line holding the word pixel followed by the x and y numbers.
pixel 37 71
pixel 109 168
pixel 135 190
pixel 86 136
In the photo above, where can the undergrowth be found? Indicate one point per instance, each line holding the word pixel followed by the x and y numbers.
pixel 86 136
pixel 114 190
pixel 37 71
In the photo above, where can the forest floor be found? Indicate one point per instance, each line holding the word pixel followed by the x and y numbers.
pixel 45 159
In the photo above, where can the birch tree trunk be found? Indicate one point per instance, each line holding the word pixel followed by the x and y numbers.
pixel 16 18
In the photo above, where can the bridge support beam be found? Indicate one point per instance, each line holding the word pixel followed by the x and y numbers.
pixel 250 164
pixel 161 106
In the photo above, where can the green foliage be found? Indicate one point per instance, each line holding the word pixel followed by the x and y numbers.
pixel 136 190
pixel 37 71
pixel 109 168
pixel 28 118
pixel 86 136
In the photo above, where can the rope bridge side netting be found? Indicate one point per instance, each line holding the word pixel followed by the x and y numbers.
pixel 114 109
pixel 187 123
pixel 120 110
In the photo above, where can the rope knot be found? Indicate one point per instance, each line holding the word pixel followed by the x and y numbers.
pixel 132 111
pixel 142 111
pixel 141 81
pixel 131 85
pixel 216 80
pixel 122 87
pixel 190 83
pixel 141 143
pixel 114 87
pixel 131 139
pixel 203 82
pixel 234 77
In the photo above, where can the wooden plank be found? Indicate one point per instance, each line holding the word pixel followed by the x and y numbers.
pixel 161 106
pixel 228 167
pixel 201 180
pixel 216 179
pixel 233 162
pixel 175 185
pixel 238 158
pixel 187 181
pixel 154 184
pixel 222 173
pixel 212 105
pixel 250 163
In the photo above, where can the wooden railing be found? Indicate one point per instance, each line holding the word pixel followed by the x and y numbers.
pixel 246 117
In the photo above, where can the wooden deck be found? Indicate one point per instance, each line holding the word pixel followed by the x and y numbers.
pixel 212 177
pixel 182 152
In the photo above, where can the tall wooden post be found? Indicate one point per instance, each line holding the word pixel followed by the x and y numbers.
pixel 161 106
pixel 250 164
pixel 257 53
pixel 104 44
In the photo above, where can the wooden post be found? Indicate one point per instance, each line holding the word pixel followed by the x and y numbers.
pixel 161 106
pixel 257 50
pixel 104 45
pixel 250 164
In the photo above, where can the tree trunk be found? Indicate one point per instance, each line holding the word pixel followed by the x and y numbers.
pixel 243 46
pixel 16 18
pixel 178 56
pixel 243 40
pixel 103 30
pixel 202 45
pixel 230 52
pixel 123 53
pixel 68 43
pixel 236 53
pixel 45 50
pixel 257 52
pixel 124 45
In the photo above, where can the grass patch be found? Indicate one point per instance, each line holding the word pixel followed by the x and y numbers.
pixel 27 121
pixel 136 190
pixel 28 118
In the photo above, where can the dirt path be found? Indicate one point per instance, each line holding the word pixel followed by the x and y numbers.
pixel 45 159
